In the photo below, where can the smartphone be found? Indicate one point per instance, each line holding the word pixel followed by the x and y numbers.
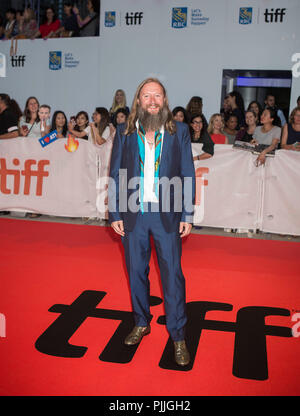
pixel 25 130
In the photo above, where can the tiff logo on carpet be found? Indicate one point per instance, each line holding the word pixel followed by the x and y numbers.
pixel 2 326
pixel 27 172
pixel 250 351
pixel 296 327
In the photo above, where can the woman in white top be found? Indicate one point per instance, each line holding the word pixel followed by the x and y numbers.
pixel 268 133
pixel 29 123
pixel 103 133
pixel 101 128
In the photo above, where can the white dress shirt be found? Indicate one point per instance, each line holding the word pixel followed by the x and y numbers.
pixel 149 191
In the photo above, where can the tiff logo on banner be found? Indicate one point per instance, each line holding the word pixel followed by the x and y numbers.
pixel 133 18
pixel 28 173
pixel 276 16
pixel 17 61
pixel 201 182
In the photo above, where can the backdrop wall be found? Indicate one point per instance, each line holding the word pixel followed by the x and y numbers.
pixel 186 48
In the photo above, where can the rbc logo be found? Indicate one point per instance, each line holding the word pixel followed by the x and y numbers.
pixel 55 60
pixel 179 17
pixel 245 17
pixel 110 19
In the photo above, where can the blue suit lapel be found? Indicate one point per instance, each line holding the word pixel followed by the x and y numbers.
pixel 134 148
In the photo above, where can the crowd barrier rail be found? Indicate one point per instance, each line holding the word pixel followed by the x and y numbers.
pixel 231 191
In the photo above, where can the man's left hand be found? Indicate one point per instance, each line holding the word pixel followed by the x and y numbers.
pixel 184 229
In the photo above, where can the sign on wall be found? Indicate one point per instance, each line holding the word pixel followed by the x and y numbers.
pixel 185 44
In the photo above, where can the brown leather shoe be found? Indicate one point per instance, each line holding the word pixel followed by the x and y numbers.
pixel 182 356
pixel 137 334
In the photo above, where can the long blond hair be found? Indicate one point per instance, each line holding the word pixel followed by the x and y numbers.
pixel 210 128
pixel 170 125
pixel 291 118
pixel 115 106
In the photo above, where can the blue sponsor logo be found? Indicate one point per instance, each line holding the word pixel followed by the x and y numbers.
pixel 110 19
pixel 55 60
pixel 245 16
pixel 179 17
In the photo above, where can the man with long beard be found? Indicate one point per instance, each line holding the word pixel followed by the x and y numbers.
pixel 152 151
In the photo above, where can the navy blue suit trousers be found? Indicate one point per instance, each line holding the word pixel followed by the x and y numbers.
pixel 168 249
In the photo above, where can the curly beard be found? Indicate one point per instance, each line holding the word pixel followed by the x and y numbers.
pixel 152 122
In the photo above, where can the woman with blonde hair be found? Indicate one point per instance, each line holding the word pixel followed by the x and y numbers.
pixel 119 101
pixel 28 25
pixel 215 129
pixel 290 139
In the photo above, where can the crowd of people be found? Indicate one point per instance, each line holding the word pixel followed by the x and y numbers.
pixel 258 124
pixel 22 24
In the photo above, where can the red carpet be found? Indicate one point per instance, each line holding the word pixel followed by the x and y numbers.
pixel 240 292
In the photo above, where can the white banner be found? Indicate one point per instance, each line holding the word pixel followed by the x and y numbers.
pixel 228 189
pixel 231 192
pixel 49 180
pixel 281 202
pixel 103 164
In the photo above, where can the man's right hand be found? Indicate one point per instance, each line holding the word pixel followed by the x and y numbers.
pixel 118 226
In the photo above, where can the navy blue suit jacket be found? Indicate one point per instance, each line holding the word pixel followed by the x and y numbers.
pixel 175 202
